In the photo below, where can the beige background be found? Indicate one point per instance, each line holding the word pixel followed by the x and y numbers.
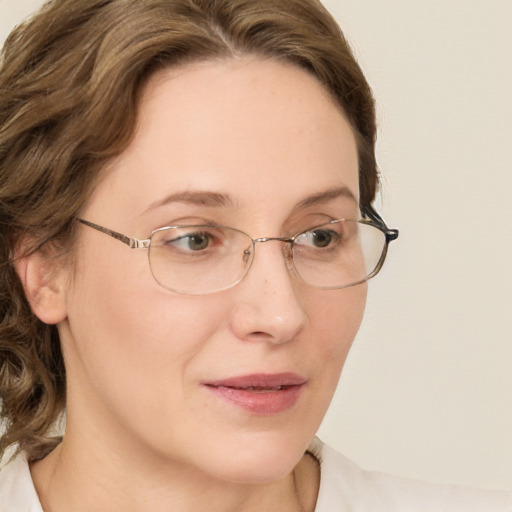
pixel 427 390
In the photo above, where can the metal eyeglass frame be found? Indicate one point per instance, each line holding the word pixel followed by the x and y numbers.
pixel 370 217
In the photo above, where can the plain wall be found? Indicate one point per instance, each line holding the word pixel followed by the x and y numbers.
pixel 427 389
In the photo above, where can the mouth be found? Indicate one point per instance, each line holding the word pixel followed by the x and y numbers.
pixel 256 389
pixel 260 394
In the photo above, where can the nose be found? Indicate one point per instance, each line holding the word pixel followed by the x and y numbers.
pixel 268 303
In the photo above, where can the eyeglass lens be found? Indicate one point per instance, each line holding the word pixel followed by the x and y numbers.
pixel 205 259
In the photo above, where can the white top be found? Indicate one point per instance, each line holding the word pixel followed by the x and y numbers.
pixel 344 487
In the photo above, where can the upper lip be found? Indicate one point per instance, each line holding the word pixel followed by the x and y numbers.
pixel 259 380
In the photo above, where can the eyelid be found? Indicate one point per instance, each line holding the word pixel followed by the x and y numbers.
pixel 316 218
pixel 184 223
pixel 198 226
pixel 179 231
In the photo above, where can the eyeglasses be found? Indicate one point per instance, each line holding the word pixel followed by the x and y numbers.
pixel 204 259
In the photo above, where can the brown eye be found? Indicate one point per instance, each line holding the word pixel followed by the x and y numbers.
pixel 192 241
pixel 319 238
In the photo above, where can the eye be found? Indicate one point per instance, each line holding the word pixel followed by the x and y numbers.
pixel 319 238
pixel 197 241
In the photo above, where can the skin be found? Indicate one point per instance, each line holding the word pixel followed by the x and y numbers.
pixel 141 427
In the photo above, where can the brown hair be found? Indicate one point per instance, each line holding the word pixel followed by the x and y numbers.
pixel 69 85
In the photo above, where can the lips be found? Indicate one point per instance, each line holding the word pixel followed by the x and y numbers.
pixel 260 394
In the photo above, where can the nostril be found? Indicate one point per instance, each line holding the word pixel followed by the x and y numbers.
pixel 258 335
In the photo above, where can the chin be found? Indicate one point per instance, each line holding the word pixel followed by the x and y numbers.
pixel 259 457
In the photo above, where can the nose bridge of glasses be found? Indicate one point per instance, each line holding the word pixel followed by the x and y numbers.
pixel 287 250
pixel 285 239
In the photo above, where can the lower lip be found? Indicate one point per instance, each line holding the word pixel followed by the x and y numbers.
pixel 263 403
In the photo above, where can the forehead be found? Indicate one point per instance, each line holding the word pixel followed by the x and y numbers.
pixel 259 131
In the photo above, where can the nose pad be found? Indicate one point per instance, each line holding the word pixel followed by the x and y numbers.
pixel 248 254
pixel 288 257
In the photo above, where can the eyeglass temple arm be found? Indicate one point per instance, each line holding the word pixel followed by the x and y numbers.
pixel 370 213
pixel 133 243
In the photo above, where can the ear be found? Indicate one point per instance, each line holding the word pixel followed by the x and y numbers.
pixel 43 279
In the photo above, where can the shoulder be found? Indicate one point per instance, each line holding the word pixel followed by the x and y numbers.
pixel 343 485
pixel 17 492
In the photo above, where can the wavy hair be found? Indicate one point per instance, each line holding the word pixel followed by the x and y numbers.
pixel 70 82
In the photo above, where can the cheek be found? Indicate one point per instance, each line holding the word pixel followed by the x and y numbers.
pixel 131 345
pixel 336 316
pixel 334 322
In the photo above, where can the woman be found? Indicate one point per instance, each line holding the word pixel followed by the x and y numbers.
pixel 187 225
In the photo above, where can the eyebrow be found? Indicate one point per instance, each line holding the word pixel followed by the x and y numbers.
pixel 211 199
pixel 219 200
pixel 326 196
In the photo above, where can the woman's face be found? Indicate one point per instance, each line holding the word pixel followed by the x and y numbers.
pixel 194 380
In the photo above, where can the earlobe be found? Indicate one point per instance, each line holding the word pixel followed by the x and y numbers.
pixel 42 280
